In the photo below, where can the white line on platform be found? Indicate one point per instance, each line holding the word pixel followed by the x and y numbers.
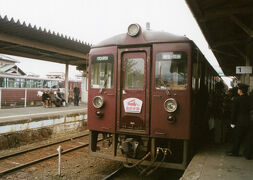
pixel 24 115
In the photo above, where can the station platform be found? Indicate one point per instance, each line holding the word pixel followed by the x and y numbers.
pixel 9 116
pixel 22 126
pixel 212 163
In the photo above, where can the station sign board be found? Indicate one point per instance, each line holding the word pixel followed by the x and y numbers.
pixel 243 69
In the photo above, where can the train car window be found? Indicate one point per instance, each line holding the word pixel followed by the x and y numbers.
pixel 134 73
pixel 22 83
pixel 28 83
pixel 32 83
pixel 171 70
pixel 60 85
pixel 45 84
pixel 54 84
pixel 17 83
pixel 102 71
pixel 38 83
pixel 2 82
pixel 10 82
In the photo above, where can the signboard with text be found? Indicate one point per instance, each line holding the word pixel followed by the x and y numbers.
pixel 132 105
pixel 243 69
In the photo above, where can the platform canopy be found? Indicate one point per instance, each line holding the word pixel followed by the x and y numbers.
pixel 21 39
pixel 228 28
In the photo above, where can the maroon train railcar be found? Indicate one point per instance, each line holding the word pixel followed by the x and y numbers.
pixel 144 90
pixel 16 91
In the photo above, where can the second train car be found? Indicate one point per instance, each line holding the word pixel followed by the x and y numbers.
pixel 148 98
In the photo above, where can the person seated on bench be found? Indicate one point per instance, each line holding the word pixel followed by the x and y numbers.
pixel 60 101
pixel 46 99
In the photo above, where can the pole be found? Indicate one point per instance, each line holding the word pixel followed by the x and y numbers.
pixel 25 97
pixel 0 98
pixel 59 149
pixel 67 83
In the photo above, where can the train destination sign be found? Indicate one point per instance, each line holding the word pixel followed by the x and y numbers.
pixel 171 56
pixel 102 58
pixel 132 105
pixel 243 69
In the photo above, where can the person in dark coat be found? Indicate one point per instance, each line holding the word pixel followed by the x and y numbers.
pixel 76 96
pixel 240 118
pixel 248 151
pixel 46 99
pixel 60 101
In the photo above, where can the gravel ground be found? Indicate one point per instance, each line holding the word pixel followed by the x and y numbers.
pixel 78 165
pixel 75 165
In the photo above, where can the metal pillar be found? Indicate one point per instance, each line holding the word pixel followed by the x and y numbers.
pixel 247 76
pixel 0 98
pixel 67 83
pixel 25 103
pixel 84 88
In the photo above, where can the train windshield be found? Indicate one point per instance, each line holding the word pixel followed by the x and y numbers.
pixel 102 71
pixel 171 70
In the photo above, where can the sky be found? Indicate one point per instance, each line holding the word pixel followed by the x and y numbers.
pixel 92 21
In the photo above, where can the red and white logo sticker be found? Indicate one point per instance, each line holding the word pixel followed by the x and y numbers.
pixel 132 105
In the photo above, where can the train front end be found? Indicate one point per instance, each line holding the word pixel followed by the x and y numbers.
pixel 139 99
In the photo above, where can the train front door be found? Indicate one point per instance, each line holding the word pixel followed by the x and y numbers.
pixel 133 90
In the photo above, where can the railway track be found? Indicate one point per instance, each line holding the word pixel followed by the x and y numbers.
pixel 114 174
pixel 18 160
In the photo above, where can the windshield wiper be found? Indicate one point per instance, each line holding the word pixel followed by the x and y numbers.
pixel 105 82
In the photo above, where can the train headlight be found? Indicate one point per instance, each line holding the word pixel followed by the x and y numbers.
pixel 98 102
pixel 133 29
pixel 170 105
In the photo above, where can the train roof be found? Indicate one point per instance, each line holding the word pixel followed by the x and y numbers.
pixel 146 36
pixel 35 78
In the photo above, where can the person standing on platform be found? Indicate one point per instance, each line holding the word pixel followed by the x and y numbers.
pixel 248 152
pixel 76 96
pixel 240 118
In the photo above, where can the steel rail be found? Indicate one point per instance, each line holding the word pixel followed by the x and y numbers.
pixel 113 174
pixel 42 159
pixel 42 146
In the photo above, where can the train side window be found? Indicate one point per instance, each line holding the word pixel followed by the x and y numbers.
pixel 2 82
pixel 17 83
pixel 101 71
pixel 22 83
pixel 171 70
pixel 28 83
pixel 54 84
pixel 134 73
pixel 10 82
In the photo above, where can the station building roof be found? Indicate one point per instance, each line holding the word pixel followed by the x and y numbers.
pixel 22 39
pixel 228 29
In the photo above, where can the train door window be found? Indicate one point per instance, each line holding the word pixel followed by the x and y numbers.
pixel 134 73
pixel 171 70
pixel 102 71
